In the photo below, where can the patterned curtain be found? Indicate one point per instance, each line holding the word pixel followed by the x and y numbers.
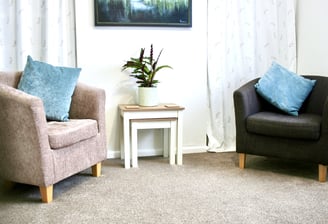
pixel 244 38
pixel 44 29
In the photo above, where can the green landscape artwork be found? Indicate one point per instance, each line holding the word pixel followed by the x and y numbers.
pixel 143 13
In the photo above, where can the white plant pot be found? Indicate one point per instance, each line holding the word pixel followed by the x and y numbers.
pixel 148 96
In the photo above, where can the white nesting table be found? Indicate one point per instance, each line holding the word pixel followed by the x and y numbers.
pixel 166 116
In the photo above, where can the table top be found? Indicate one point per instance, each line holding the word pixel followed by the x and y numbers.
pixel 160 107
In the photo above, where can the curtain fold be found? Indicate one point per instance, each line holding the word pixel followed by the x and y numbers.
pixel 244 38
pixel 44 29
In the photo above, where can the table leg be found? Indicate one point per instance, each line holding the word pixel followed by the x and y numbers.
pixel 126 141
pixel 179 138
pixel 122 139
pixel 134 144
pixel 173 141
pixel 166 143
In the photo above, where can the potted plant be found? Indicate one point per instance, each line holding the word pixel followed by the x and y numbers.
pixel 144 70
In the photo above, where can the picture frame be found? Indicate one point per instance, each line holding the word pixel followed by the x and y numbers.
pixel 175 13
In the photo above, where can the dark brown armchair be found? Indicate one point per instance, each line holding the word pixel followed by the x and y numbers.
pixel 263 130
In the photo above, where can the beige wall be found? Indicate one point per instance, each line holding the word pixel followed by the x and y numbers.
pixel 101 51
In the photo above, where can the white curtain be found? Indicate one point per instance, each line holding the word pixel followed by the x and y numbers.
pixel 44 29
pixel 244 37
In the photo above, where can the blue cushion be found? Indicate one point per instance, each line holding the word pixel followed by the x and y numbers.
pixel 54 85
pixel 284 89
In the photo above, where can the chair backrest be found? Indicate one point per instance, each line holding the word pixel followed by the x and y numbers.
pixel 316 100
pixel 10 78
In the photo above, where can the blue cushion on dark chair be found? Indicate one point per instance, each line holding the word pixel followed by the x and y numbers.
pixel 284 89
pixel 54 85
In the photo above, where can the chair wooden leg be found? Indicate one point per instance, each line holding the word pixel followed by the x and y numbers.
pixel 96 170
pixel 242 160
pixel 46 193
pixel 322 173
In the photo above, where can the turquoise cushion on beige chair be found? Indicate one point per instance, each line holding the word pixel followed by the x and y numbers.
pixel 53 84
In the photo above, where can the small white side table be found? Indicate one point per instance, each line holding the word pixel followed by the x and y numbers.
pixel 166 116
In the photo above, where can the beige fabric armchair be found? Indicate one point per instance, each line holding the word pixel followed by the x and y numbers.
pixel 34 151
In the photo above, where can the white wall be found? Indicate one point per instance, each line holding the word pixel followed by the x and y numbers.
pixel 101 51
pixel 312 37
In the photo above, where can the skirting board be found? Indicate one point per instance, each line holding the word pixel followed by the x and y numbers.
pixel 158 152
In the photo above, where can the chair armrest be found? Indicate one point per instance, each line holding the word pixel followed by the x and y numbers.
pixel 324 122
pixel 23 114
pixel 246 100
pixel 10 78
pixel 89 103
pixel 23 136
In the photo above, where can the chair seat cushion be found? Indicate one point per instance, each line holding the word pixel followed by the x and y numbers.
pixel 62 134
pixel 304 126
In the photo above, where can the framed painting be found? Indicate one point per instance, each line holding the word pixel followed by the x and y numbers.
pixel 175 13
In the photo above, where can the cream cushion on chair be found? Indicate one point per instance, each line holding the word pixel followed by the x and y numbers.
pixel 62 134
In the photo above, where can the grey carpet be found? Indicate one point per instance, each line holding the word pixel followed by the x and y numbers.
pixel 208 188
